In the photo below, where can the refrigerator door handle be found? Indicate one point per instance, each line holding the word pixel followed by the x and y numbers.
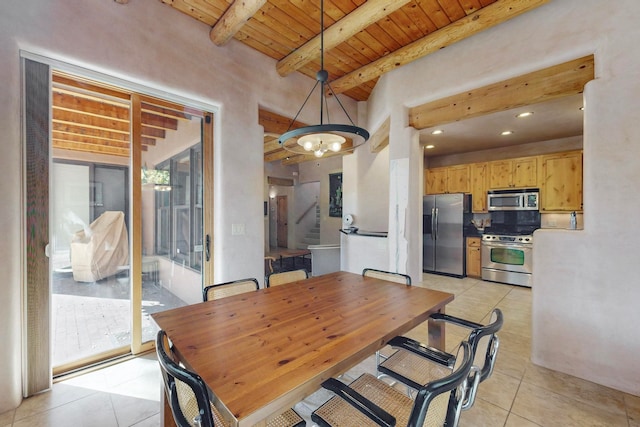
pixel 434 223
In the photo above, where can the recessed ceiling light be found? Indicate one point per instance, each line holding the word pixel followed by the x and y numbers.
pixel 437 132
pixel 430 146
pixel 524 114
pixel 507 132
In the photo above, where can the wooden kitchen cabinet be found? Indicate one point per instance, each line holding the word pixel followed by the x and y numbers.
pixel 561 182
pixel 435 181
pixel 474 266
pixel 513 173
pixel 458 179
pixel 451 179
pixel 478 183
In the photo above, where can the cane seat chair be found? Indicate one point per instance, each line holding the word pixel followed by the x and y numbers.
pixel 189 397
pixel 387 275
pixel 391 277
pixel 276 279
pixel 368 401
pixel 227 289
pixel 407 364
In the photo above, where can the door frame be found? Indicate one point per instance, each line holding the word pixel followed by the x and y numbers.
pixel 38 369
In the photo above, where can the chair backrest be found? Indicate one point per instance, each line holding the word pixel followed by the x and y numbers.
pixel 441 400
pixel 387 275
pixel 227 289
pixel 276 279
pixel 186 392
pixel 484 343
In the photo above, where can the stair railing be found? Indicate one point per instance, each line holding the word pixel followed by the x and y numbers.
pixel 313 205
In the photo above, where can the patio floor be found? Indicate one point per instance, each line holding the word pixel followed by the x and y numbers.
pixel 91 318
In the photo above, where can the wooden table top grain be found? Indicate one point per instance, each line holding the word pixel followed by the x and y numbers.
pixel 261 352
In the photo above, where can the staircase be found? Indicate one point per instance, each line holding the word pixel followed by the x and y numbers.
pixel 312 236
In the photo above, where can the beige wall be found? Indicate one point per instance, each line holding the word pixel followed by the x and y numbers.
pixel 585 291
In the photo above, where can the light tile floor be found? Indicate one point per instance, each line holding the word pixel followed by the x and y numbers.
pixel 519 394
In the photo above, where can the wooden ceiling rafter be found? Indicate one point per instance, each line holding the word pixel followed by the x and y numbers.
pixel 233 19
pixel 481 20
pixel 363 39
pixel 361 18
pixel 91 118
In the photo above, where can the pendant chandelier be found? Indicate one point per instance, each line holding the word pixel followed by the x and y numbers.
pixel 324 137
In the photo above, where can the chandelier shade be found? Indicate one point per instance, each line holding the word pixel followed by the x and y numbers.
pixel 324 137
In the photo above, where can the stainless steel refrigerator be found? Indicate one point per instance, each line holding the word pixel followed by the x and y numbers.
pixel 444 216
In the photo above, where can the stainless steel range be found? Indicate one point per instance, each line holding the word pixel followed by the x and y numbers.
pixel 506 258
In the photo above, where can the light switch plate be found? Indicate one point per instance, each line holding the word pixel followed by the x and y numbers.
pixel 237 229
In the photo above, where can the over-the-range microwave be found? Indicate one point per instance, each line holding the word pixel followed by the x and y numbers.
pixel 523 199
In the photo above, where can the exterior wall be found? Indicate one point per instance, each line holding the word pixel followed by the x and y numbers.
pixel 150 44
pixel 585 289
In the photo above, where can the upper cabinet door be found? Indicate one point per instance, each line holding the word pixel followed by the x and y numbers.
pixel 500 174
pixel 458 179
pixel 513 173
pixel 435 181
pixel 478 172
pixel 561 188
pixel 525 172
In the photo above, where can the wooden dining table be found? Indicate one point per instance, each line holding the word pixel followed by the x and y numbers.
pixel 262 352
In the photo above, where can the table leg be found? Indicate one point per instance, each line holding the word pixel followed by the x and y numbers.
pixel 436 333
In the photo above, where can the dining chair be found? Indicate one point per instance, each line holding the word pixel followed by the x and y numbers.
pixel 387 275
pixel 190 399
pixel 409 363
pixel 276 279
pixel 390 276
pixel 227 289
pixel 368 401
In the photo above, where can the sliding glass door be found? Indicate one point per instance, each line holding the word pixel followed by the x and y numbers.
pixel 128 217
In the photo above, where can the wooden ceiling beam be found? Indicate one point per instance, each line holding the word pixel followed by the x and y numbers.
pixel 88 86
pixel 90 148
pixel 364 16
pixel 88 106
pixel 161 122
pixel 165 112
pixel 88 121
pixel 152 132
pixel 549 83
pixel 487 17
pixel 275 123
pixel 74 129
pixel 57 136
pixel 380 138
pixel 233 19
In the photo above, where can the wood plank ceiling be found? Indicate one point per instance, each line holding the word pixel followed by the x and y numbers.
pixel 363 39
pixel 92 118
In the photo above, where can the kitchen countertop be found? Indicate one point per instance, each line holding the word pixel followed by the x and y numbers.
pixel 471 231
pixel 357 232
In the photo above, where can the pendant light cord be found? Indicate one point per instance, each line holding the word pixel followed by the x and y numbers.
pixel 323 98
pixel 322 34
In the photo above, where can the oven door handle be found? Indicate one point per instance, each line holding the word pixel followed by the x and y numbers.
pixel 522 246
